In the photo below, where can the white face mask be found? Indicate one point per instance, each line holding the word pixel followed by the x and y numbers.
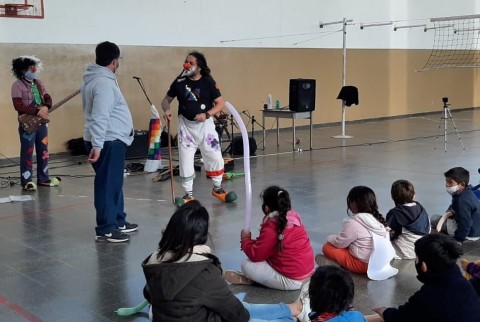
pixel 451 190
pixel 191 71
pixel 350 212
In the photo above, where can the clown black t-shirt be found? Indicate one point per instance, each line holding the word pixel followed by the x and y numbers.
pixel 194 96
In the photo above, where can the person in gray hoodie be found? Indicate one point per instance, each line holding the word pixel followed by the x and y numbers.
pixel 107 131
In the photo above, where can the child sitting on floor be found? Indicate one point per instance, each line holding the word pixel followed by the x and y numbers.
pixel 328 296
pixel 445 295
pixel 464 223
pixel 353 247
pixel 408 221
pixel 281 257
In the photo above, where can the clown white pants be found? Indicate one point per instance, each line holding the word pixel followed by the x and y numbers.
pixel 201 135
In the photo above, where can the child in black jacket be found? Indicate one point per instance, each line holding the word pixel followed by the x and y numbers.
pixel 446 296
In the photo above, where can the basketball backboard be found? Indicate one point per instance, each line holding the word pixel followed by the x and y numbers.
pixel 22 9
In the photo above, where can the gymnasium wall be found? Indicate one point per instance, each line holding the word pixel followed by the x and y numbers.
pixel 380 63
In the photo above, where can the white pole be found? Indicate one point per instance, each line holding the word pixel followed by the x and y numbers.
pixel 344 77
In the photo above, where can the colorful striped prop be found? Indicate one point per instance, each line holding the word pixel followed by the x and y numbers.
pixel 154 155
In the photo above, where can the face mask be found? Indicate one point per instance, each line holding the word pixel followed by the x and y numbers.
pixel 30 75
pixel 191 71
pixel 421 276
pixel 452 190
pixel 350 212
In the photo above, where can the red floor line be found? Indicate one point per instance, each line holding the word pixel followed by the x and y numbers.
pixel 19 310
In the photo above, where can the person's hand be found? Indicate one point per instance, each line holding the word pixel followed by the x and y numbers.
pixel 201 117
pixel 245 234
pixel 464 263
pixel 168 115
pixel 379 310
pixel 94 155
pixel 43 112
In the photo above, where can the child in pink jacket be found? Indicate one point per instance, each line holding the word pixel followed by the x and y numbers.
pixel 281 257
pixel 352 247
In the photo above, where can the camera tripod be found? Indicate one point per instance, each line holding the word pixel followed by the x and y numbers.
pixel 447 115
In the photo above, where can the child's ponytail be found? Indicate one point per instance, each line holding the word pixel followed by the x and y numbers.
pixel 278 199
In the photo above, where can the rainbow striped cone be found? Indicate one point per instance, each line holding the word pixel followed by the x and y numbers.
pixel 154 156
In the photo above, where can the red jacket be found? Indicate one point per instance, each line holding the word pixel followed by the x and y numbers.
pixel 296 259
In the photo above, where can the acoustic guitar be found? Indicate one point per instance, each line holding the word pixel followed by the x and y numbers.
pixel 30 123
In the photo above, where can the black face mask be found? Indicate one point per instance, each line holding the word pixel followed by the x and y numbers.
pixel 422 276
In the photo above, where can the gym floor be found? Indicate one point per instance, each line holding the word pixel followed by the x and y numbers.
pixel 53 270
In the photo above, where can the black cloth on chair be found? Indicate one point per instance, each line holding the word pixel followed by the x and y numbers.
pixel 349 94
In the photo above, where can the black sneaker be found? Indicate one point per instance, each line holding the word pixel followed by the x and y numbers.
pixel 115 237
pixel 128 228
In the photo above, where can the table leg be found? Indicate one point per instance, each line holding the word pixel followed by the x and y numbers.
pixel 263 125
pixel 311 128
pixel 293 126
pixel 278 132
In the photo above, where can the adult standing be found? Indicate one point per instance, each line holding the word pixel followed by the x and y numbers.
pixel 108 129
pixel 30 96
pixel 199 98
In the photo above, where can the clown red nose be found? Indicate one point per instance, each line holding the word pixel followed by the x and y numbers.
pixel 186 66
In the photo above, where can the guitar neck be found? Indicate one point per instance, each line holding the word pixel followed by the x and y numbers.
pixel 63 101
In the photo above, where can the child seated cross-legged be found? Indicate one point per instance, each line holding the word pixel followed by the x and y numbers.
pixel 446 296
pixel 184 279
pixel 281 257
pixel 353 248
pixel 464 222
pixel 408 221
pixel 328 296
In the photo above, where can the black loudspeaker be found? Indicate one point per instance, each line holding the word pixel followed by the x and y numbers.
pixel 237 146
pixel 139 147
pixel 301 96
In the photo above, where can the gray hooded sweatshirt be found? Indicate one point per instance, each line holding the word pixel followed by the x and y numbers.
pixel 105 111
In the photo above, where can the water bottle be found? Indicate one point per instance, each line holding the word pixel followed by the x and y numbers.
pixel 269 101
pixel 277 104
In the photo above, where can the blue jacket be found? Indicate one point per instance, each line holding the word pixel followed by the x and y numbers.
pixel 445 297
pixel 348 316
pixel 466 212
pixel 414 218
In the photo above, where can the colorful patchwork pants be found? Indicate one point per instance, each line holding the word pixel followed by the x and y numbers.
pixel 39 141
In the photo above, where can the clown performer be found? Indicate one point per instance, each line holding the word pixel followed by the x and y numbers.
pixel 30 97
pixel 198 100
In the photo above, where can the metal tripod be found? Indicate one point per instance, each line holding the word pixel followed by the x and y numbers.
pixel 447 115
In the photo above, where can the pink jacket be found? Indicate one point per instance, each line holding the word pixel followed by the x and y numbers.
pixel 356 235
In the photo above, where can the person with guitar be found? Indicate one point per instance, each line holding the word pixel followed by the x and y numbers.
pixel 30 97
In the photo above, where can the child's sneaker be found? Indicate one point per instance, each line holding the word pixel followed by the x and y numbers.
pixel 30 186
pixel 223 195
pixel 237 278
pixel 55 182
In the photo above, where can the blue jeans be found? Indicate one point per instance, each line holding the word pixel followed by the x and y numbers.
pixel 269 312
pixel 108 186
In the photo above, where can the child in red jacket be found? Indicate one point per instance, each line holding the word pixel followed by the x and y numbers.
pixel 281 257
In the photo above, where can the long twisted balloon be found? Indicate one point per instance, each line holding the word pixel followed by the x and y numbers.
pixel 246 164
